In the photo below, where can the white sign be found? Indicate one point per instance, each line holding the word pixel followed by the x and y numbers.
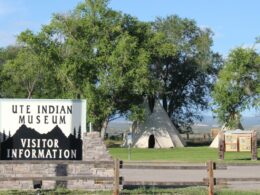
pixel 36 129
pixel 42 115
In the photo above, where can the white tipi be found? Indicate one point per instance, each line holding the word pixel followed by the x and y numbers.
pixel 215 142
pixel 157 130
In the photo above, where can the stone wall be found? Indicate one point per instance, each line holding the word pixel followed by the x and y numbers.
pixel 94 148
pixel 95 171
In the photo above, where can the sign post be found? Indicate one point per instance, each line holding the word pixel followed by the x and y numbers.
pixel 254 145
pixel 238 141
pixel 38 129
pixel 129 143
pixel 221 145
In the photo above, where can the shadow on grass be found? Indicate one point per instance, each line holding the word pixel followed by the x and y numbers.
pixel 151 187
pixel 197 144
pixel 245 159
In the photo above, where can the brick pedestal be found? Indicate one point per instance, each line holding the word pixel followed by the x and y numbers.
pixel 95 171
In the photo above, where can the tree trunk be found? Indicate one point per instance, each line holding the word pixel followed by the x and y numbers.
pixel 187 136
pixel 164 101
pixel 236 124
pixel 29 94
pixel 104 128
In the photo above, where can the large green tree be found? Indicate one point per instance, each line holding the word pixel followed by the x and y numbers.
pixel 8 53
pixel 184 65
pixel 28 74
pixel 114 60
pixel 21 75
pixel 257 102
pixel 98 54
pixel 236 87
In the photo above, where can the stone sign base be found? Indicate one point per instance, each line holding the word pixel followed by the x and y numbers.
pixel 95 171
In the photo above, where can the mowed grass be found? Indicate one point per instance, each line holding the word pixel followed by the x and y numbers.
pixel 186 154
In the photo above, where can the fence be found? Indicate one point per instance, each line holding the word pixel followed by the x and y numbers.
pixel 209 179
pixel 90 174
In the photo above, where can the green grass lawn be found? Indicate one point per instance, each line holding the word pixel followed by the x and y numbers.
pixel 186 154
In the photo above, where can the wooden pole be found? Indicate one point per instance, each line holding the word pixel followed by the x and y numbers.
pixel 116 177
pixel 221 145
pixel 254 146
pixel 210 177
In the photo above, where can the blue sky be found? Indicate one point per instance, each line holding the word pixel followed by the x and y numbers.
pixel 234 22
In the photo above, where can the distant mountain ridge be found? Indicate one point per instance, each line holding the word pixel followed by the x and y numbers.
pixel 203 126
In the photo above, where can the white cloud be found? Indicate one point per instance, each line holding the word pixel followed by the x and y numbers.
pixel 7 39
pixel 11 7
pixel 255 46
pixel 218 35
pixel 204 27
pixel 217 31
pixel 12 21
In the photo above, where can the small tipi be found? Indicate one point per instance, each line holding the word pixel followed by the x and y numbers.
pixel 157 130
pixel 215 142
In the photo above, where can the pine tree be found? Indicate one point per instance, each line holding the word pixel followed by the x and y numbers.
pixel 4 136
pixel 79 133
pixel 74 132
